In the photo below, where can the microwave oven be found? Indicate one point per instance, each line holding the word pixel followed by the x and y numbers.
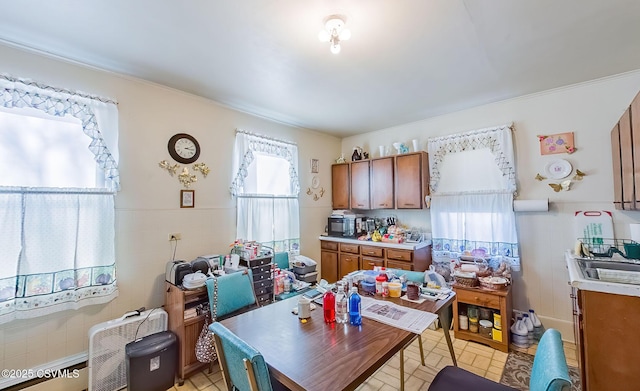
pixel 344 226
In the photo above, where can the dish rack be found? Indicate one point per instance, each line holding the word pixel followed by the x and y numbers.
pixel 601 248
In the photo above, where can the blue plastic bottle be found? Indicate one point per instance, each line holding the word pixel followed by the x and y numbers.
pixel 355 317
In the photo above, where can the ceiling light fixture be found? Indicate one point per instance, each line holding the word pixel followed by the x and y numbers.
pixel 334 32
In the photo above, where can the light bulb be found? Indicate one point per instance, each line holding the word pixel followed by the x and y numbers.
pixel 323 36
pixel 345 34
pixel 335 48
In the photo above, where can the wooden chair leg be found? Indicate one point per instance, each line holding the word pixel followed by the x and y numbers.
pixel 421 351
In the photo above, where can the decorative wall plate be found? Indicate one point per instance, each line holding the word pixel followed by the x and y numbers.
pixel 315 182
pixel 558 169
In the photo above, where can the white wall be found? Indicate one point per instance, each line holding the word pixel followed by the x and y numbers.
pixel 590 110
pixel 147 208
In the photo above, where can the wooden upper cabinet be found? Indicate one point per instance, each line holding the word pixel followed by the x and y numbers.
pixel 412 180
pixel 625 151
pixel 382 190
pixel 360 185
pixel 340 186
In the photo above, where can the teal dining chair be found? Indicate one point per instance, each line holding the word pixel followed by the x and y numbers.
pixel 234 293
pixel 242 366
pixel 549 372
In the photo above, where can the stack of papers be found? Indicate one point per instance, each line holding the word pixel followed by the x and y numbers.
pixel 395 315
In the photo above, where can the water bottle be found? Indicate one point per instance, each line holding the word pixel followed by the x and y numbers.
pixel 341 305
pixel 529 324
pixel 329 306
pixel 537 325
pixel 520 334
pixel 354 307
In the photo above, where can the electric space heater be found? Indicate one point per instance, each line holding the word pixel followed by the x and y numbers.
pixel 107 341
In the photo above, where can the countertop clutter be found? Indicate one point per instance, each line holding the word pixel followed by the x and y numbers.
pixel 579 281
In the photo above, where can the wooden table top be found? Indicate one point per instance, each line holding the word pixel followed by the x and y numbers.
pixel 318 356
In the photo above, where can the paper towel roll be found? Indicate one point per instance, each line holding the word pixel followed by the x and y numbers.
pixel 635 232
pixel 531 205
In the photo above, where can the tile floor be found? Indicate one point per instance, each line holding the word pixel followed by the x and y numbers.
pixel 472 356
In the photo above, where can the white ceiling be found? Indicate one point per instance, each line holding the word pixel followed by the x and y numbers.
pixel 407 60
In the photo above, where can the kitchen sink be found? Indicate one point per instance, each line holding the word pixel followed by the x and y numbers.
pixel 627 269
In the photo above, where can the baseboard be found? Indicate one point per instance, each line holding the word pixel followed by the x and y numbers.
pixel 67 371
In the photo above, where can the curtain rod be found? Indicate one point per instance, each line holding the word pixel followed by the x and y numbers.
pixel 52 190
pixel 57 89
pixel 265 137
pixel 471 132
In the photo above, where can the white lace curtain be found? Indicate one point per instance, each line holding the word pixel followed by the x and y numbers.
pixel 267 212
pixel 472 189
pixel 58 244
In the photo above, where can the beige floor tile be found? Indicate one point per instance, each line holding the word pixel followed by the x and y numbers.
pixel 442 352
pixel 425 373
pixel 495 369
pixel 368 386
pixel 413 383
pixel 493 376
pixel 387 387
pixel 482 362
pixel 479 351
pixel 373 383
pixel 467 357
pixel 200 380
pixel 459 344
pixel 389 372
pixel 410 366
pixel 500 356
pixel 432 359
pixel 394 362
pixel 412 355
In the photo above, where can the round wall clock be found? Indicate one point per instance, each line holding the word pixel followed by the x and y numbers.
pixel 184 148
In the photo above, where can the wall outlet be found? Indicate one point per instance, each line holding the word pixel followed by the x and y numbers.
pixel 175 236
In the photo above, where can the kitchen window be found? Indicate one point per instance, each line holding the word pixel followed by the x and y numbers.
pixel 58 177
pixel 472 190
pixel 266 188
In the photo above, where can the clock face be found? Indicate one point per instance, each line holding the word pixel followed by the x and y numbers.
pixel 184 148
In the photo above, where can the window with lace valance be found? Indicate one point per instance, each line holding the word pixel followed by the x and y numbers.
pixel 58 178
pixel 473 185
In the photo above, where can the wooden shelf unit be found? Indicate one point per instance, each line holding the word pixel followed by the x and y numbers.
pixel 499 301
pixel 177 300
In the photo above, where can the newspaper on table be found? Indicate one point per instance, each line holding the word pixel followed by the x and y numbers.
pixel 395 315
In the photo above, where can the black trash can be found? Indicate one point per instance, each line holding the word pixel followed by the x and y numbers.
pixel 152 362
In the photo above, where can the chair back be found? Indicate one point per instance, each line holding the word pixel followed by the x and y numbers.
pixel 281 260
pixel 234 292
pixel 550 371
pixel 243 367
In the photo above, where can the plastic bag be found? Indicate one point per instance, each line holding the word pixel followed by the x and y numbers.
pixel 205 348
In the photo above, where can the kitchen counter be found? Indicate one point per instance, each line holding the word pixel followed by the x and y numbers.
pixel 577 280
pixel 400 246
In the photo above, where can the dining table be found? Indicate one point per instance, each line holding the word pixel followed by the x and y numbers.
pixel 313 355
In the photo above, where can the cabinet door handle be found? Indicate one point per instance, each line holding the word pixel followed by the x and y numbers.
pixel 360 204
pixel 371 264
pixel 407 204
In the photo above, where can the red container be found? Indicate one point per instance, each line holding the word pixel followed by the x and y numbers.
pixel 329 307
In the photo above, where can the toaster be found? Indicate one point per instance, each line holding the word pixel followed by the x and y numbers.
pixel 176 270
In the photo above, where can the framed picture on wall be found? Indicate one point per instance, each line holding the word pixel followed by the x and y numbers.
pixel 314 166
pixel 187 198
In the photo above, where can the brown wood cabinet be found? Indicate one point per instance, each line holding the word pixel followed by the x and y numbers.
pixel 412 180
pixel 177 300
pixel 329 261
pixel 338 258
pixel 382 188
pixel 607 340
pixel 393 182
pixel 340 185
pixel 497 301
pixel 360 185
pixel 625 145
